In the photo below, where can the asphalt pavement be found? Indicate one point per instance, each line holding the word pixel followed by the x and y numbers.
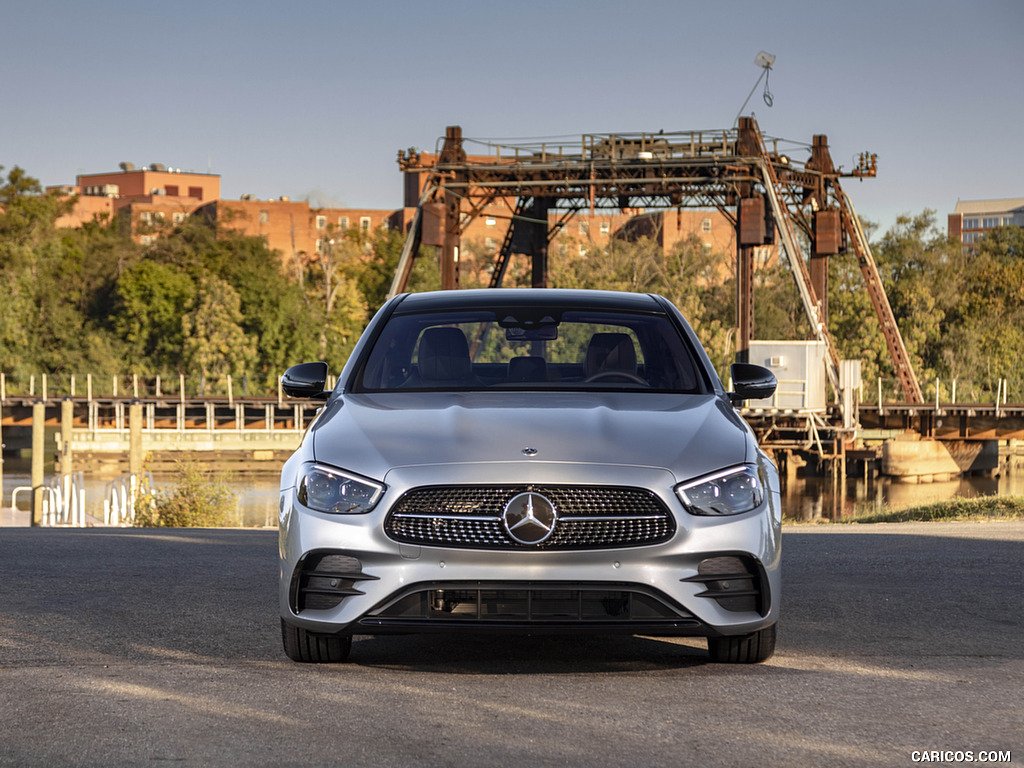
pixel 125 647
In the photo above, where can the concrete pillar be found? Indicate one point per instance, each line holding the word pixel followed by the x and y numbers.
pixel 135 437
pixel 38 474
pixel 66 424
pixel 791 467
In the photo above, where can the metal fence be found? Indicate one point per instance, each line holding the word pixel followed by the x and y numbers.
pixel 63 500
pixel 948 391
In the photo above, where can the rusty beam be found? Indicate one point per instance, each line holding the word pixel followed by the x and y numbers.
pixel 452 240
pixel 876 291
pixel 715 169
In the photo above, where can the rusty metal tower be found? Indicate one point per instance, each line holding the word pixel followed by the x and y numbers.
pixel 736 171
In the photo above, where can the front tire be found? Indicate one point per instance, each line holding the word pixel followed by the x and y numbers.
pixel 311 648
pixel 743 649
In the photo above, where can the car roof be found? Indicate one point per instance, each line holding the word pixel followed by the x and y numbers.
pixel 563 298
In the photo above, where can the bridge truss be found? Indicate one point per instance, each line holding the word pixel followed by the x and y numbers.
pixel 767 196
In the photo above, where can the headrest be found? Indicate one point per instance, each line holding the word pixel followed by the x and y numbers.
pixel 610 352
pixel 444 355
pixel 527 369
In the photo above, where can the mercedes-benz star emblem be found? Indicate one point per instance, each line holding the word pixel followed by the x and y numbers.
pixel 529 518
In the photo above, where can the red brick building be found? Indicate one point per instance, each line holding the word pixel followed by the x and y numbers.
pixel 144 197
pixel 147 199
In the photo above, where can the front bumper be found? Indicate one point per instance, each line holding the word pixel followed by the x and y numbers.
pixel 715 576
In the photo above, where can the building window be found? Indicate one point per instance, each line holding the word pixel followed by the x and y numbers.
pixel 606 227
pixel 196 192
pixel 178 217
pixel 147 239
pixel 264 217
pixel 990 222
pixel 705 225
pixel 159 215
pixel 491 222
pixel 171 189
pixel 364 223
pixel 1007 221
pixel 343 222
pixel 321 222
pixel 582 250
pixel 490 244
pixel 707 247
pixel 970 223
pixel 584 228
pixel 146 217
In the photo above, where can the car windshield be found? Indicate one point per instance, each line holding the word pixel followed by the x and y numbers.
pixel 539 348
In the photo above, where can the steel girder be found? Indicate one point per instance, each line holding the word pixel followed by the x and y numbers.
pixel 683 170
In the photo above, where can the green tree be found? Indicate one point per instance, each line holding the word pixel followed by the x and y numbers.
pixel 275 317
pixel 45 326
pixel 27 215
pixel 214 342
pixel 151 299
pixel 852 319
pixel 985 329
pixel 276 313
pixel 914 260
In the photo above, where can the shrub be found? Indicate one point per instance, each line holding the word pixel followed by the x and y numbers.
pixel 198 500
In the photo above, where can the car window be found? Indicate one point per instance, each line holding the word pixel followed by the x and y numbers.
pixel 528 348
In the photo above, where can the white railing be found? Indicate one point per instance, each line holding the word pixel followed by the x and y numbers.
pixel 63 500
pixel 120 497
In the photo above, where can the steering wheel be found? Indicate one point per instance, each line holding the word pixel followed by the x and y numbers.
pixel 620 374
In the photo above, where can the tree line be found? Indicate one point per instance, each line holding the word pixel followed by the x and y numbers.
pixel 204 300
pixel 201 299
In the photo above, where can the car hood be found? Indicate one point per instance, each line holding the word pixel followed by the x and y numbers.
pixel 688 435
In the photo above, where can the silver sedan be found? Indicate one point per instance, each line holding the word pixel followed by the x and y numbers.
pixel 529 461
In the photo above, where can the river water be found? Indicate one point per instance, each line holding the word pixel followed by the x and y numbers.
pixel 815 498
pixel 803 499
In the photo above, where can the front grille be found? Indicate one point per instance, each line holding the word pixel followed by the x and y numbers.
pixel 590 517
pixel 525 603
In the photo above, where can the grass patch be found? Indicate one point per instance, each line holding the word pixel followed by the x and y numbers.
pixel 980 508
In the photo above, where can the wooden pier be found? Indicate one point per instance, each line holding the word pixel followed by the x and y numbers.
pixel 239 434
pixel 911 442
pixel 92 431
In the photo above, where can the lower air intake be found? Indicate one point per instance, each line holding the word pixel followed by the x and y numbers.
pixel 734 582
pixel 522 604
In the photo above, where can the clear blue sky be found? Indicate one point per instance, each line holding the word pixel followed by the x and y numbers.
pixel 313 99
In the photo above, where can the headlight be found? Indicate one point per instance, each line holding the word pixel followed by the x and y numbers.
pixel 730 492
pixel 326 489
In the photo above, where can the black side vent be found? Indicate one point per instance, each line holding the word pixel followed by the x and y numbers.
pixel 735 582
pixel 323 579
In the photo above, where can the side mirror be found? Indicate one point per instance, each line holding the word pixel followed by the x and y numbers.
pixel 306 380
pixel 751 382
